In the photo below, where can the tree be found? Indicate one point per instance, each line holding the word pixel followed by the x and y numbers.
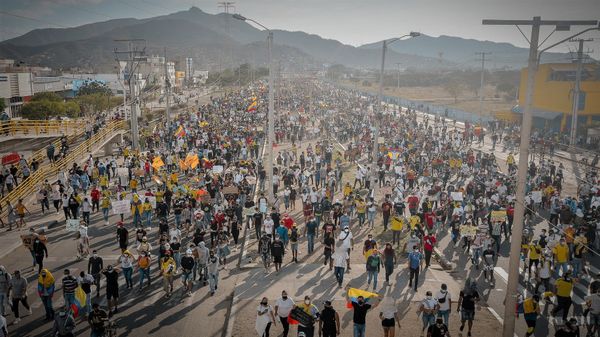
pixel 2 104
pixel 94 87
pixel 43 109
pixel 454 88
pixel 46 96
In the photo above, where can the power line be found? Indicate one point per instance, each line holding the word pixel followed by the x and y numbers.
pixel 226 5
pixel 32 19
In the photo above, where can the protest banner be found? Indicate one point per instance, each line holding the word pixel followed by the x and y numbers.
pixel 121 207
pixel 456 196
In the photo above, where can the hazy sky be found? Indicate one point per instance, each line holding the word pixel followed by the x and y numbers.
pixel 353 22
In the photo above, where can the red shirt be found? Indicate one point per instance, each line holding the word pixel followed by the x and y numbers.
pixel 413 201
pixel 95 194
pixel 288 222
pixel 428 242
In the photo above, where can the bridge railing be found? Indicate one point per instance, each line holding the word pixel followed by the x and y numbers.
pixel 31 128
pixel 30 186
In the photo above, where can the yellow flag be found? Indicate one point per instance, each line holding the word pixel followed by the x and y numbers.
pixel 157 163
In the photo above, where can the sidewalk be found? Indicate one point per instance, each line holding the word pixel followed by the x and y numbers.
pixel 319 283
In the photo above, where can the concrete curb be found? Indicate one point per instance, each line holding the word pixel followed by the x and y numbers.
pixel 447 265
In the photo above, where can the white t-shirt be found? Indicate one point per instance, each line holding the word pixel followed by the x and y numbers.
pixel 339 258
pixel 446 305
pixel 284 307
pixel 347 243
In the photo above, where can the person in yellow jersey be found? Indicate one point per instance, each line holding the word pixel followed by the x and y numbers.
pixel 347 189
pixel 313 311
pixel 561 257
pixel 147 212
pixel 105 206
pixel 563 287
pixel 168 270
pixel 133 184
pixel 396 224
pixel 136 210
pixel 531 310
pixel 103 182
pixel 535 251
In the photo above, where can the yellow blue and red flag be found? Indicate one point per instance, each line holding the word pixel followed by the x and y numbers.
pixel 354 294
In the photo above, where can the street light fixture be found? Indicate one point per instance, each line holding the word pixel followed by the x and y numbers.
pixel 270 115
pixel 377 113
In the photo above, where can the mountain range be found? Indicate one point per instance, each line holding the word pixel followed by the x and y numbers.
pixel 218 41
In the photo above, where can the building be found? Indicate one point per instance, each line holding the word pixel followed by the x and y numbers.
pixel 553 96
pixel 189 69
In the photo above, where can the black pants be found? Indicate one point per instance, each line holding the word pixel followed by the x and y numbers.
pixel 564 303
pixel 266 333
pixel 413 273
pixel 39 260
pixel 15 305
pixel 286 325
pixel 427 257
pixel 236 235
pixel 309 331
pixel 386 221
pixel 327 333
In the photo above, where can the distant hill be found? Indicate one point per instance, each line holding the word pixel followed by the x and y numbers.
pixel 462 51
pixel 220 41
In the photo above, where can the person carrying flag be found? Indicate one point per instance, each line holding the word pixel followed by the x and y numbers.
pixel 361 307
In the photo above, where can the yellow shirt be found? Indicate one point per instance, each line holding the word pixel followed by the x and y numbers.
pixel 561 253
pixel 147 207
pixel 347 190
pixel 397 223
pixel 105 203
pixel 529 306
pixel 534 252
pixel 414 220
pixel 563 288
pixel 361 207
pixel 159 196
pixel 165 264
pixel 104 181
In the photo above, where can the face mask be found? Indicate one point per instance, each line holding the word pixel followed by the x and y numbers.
pixel 284 297
pixel 95 255
pixel 307 302
pixel 43 275
pixel 428 297
pixel 361 302
pixel 346 230
pixel 263 303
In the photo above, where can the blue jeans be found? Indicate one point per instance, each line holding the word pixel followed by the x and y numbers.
pixel 576 264
pixel 136 218
pixel 339 274
pixel 359 330
pixel 148 217
pixel 311 242
pixel 47 301
pixel 69 300
pixel 213 281
pixel 178 220
pixel 127 275
pixel 3 302
pixel 105 213
pixel 372 275
pixel 144 273
pixel 558 266
pixel 86 217
pixel 445 314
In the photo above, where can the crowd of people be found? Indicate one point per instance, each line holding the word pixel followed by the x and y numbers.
pixel 183 201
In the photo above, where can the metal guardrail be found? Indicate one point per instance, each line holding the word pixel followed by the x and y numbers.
pixel 40 128
pixel 29 186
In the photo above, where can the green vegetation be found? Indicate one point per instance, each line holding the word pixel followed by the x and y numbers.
pixel 92 97
pixel 241 75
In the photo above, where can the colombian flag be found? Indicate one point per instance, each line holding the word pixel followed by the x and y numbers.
pixel 354 293
pixel 252 106
pixel 80 301
pixel 180 132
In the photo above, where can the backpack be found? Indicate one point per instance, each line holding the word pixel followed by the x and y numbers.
pixel 294 236
pixel 415 259
pixel 144 262
pixel 373 262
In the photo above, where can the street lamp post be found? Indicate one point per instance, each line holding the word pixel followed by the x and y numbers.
pixel 519 214
pixel 271 112
pixel 378 113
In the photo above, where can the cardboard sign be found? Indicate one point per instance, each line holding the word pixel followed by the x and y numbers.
pixel 230 190
pixel 536 196
pixel 72 225
pixel 468 230
pixel 123 172
pixel 456 196
pixel 217 169
pixel 498 216
pixel 302 317
pixel 121 207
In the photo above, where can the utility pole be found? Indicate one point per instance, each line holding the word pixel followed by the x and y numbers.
pixel 577 90
pixel 517 228
pixel 167 101
pixel 398 64
pixel 482 54
pixel 226 5
pixel 133 58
